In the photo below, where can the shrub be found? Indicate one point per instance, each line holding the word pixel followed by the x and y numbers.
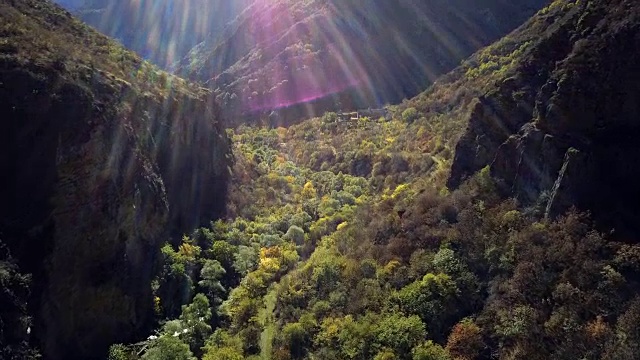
pixel 410 115
pixel 295 234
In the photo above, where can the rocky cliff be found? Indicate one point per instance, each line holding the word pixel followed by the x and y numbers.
pixel 561 124
pixel 105 158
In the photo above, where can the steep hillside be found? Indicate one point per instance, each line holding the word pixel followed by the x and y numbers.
pixel 560 117
pixel 325 54
pixel 161 31
pixel 104 158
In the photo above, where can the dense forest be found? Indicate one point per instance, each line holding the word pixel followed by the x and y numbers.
pixel 347 240
pixel 329 265
pixel 475 221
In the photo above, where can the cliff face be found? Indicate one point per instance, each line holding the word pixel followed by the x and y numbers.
pixel 106 158
pixel 312 56
pixel 565 124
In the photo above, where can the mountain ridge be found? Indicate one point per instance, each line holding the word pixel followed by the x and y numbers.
pixel 314 50
pixel 161 31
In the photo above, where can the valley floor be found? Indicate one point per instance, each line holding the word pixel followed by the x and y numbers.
pixel 316 262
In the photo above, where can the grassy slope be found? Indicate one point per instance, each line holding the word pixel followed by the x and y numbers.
pixel 42 33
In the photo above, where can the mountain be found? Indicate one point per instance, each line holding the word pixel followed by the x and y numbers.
pixel 162 31
pixel 343 54
pixel 494 215
pixel 559 120
pixel 109 158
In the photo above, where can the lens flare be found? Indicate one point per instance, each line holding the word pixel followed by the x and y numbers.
pixel 262 55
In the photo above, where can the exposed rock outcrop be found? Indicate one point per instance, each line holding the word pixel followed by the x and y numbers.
pixel 104 168
pixel 569 127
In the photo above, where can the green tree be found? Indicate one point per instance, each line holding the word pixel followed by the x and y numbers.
pixel 120 352
pixel 410 115
pixel 295 234
pixel 433 299
pixel 168 347
pixel 223 346
pixel 296 339
pixel 175 284
pixel 224 253
pixel 400 333
pixel 386 354
pixel 329 117
pixel 353 339
pixel 326 277
pixel 223 353
pixel 430 351
pixel 195 319
pixel 211 274
pixel 245 259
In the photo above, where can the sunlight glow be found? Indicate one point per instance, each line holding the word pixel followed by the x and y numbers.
pixel 282 53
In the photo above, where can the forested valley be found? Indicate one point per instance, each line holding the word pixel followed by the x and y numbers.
pixel 492 216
